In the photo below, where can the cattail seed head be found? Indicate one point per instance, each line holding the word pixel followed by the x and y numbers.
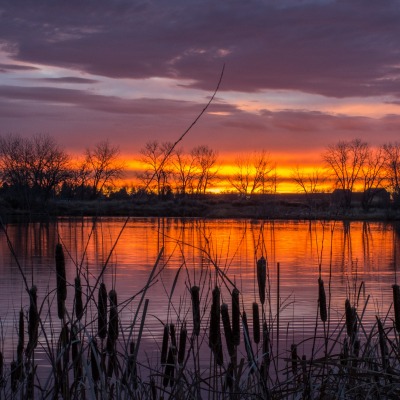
pixel 262 278
pixel 227 330
pixel 33 322
pixel 164 346
pixel 182 344
pixel 169 370
pixel 195 294
pixel 113 322
pixel 78 298
pixel 61 281
pixel 102 311
pixel 215 319
pixel 256 323
pixel 396 306
pixel 235 317
pixel 322 301
pixel 94 360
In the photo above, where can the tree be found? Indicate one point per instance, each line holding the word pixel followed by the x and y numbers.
pixel 392 167
pixel 32 168
pixel 205 160
pixel 253 174
pixel 345 161
pixel 156 158
pixel 104 165
pixel 184 171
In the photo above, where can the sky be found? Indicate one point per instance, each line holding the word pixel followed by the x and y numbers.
pixel 299 74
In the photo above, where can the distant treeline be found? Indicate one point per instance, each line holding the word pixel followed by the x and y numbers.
pixel 34 170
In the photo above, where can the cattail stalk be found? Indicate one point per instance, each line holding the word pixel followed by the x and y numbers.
pixel 195 294
pixel 235 317
pixel 76 355
pixel 61 281
pixel 256 323
pixel 262 278
pixel 322 301
pixel 169 370
pixel 382 344
pixel 102 311
pixel 21 337
pixel 78 298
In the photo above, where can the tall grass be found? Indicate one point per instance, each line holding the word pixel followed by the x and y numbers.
pixel 208 348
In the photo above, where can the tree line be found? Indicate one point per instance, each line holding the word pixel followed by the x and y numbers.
pixel 34 170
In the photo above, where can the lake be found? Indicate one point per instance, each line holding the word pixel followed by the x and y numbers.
pixel 357 260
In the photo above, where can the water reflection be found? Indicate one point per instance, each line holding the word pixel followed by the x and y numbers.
pixel 205 253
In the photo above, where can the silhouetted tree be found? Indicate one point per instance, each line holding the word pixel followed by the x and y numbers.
pixel 392 167
pixel 205 161
pixel 104 165
pixel 345 161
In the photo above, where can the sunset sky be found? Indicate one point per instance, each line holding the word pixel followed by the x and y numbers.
pixel 299 75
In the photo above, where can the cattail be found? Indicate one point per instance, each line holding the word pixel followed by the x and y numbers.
pixel 235 317
pixel 173 338
pixel 294 356
pixel 30 386
pixel 351 319
pixel 33 323
pixel 215 317
pixel 113 323
pixel 256 323
pixel 382 344
pixel 182 344
pixel 227 329
pixel 304 369
pixel 63 343
pixel 1 369
pixel 21 337
pixel 396 305
pixel 169 370
pixel 322 300
pixel 61 281
pixel 164 346
pixel 112 361
pixel 247 342
pixel 195 294
pixel 94 360
pixel 78 298
pixel 262 277
pixel 102 311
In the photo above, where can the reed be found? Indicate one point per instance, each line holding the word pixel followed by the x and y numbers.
pixel 323 313
pixel 235 317
pixel 195 295
pixel 78 298
pixel 262 278
pixel 61 281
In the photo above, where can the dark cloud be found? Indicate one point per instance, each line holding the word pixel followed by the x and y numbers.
pixel 16 67
pixel 69 79
pixel 334 48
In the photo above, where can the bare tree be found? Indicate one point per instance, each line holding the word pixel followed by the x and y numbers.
pixel 373 175
pixel 34 168
pixel 345 161
pixel 156 157
pixel 205 160
pixel 253 173
pixel 309 183
pixel 392 167
pixel 184 171
pixel 104 165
